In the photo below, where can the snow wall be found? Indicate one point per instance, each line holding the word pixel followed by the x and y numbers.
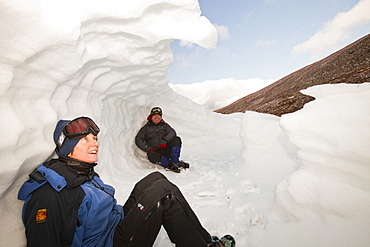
pixel 106 60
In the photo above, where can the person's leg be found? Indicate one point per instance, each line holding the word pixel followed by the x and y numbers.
pixel 169 154
pixel 181 223
pixel 175 146
pixel 172 151
pixel 140 187
pixel 154 157
pixel 142 220
pixel 175 154
pixel 155 201
pixel 176 141
pixel 160 157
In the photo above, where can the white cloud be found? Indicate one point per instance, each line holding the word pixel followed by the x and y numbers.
pixel 186 44
pixel 336 30
pixel 215 94
pixel 265 43
pixel 184 60
pixel 223 32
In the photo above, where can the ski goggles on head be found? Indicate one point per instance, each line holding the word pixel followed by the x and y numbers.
pixel 80 127
pixel 156 110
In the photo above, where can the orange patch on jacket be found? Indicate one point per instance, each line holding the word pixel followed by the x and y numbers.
pixel 41 216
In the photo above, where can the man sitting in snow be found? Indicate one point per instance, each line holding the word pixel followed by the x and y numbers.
pixel 67 204
pixel 158 139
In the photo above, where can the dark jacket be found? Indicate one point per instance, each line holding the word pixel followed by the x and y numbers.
pixel 68 205
pixel 151 135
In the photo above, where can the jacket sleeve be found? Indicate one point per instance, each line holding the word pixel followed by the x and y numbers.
pixel 140 140
pixel 43 218
pixel 171 133
pixel 50 218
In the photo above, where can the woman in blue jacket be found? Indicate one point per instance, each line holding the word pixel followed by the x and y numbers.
pixel 67 204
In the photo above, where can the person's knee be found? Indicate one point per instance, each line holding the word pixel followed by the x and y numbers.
pixel 176 141
pixel 146 181
pixel 154 157
pixel 156 176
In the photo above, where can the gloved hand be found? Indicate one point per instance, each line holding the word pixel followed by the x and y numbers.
pixel 162 146
pixel 151 150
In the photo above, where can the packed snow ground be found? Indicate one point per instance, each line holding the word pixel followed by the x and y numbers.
pixel 299 180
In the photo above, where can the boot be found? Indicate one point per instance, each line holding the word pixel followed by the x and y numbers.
pixel 183 164
pixel 173 167
pixel 225 241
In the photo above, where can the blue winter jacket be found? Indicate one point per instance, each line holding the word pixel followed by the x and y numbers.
pixel 64 208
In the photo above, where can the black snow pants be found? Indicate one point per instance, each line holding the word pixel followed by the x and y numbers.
pixel 155 156
pixel 154 202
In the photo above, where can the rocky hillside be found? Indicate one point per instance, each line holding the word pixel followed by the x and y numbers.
pixel 348 65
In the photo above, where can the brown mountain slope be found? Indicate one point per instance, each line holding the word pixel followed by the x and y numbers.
pixel 348 65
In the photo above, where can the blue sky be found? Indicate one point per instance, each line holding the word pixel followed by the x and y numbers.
pixel 269 39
